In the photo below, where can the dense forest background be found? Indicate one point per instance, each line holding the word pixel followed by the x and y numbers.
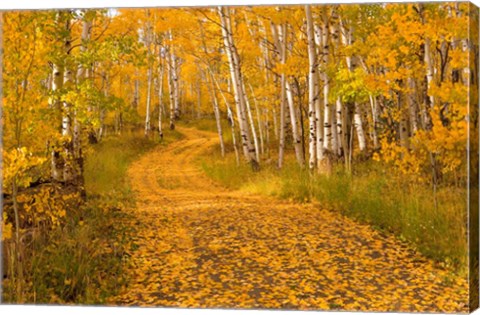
pixel 363 108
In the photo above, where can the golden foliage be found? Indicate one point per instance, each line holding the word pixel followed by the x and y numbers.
pixel 202 246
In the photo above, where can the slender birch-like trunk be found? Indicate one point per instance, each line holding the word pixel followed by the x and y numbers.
pixel 297 142
pixel 339 122
pixel 428 99
pixel 374 107
pixel 171 91
pixel 81 76
pixel 312 90
pixel 160 96
pixel 252 126
pixel 236 78
pixel 175 83
pixel 429 67
pixel 283 100
pixel 259 123
pixel 149 100
pixel 267 132
pixel 358 123
pixel 234 138
pixel 357 118
pixel 136 91
pixel 231 119
pixel 318 123
pixel 148 43
pixel 328 109
pixel 216 111
pixel 57 163
pixel 69 169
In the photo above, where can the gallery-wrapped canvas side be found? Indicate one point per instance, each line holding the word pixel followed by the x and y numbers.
pixel 473 157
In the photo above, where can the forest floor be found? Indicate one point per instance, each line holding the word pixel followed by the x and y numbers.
pixel 197 244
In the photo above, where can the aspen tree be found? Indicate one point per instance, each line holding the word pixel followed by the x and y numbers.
pixel 312 90
pixel 175 82
pixel 231 119
pixel 347 38
pixel 237 82
pixel 282 46
pixel 216 111
pixel 57 84
pixel 429 99
pixel 328 109
pixel 171 88
pixel 297 141
pixel 161 75
pixel 148 34
pixel 259 122
pixel 252 125
pixel 81 78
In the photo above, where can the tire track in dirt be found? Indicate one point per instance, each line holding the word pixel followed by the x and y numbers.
pixel 197 244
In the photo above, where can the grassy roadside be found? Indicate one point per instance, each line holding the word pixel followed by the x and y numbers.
pixel 371 195
pixel 80 259
pixel 86 256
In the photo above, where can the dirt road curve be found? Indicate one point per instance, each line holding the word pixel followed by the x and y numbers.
pixel 199 245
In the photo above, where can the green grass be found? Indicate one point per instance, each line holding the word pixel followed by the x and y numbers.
pixel 205 124
pixel 106 166
pixel 373 195
pixel 82 260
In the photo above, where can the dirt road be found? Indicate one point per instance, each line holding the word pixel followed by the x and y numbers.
pixel 200 245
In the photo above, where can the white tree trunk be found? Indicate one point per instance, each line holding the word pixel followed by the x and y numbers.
pixel 149 100
pixel 373 104
pixel 429 67
pixel 81 76
pixel 259 123
pixel 234 138
pixel 283 106
pixel 69 169
pixel 252 126
pixel 148 42
pixel 318 125
pixel 171 91
pixel 339 120
pixel 312 89
pixel 236 78
pixel 176 91
pixel 160 97
pixel 57 163
pixel 357 120
pixel 328 109
pixel 231 119
pixel 297 142
pixel 216 111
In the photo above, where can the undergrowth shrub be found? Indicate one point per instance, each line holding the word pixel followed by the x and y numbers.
pixel 77 256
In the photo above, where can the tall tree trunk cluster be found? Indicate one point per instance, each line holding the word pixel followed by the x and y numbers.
pixel 309 96
pixel 241 100
pixel 66 162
